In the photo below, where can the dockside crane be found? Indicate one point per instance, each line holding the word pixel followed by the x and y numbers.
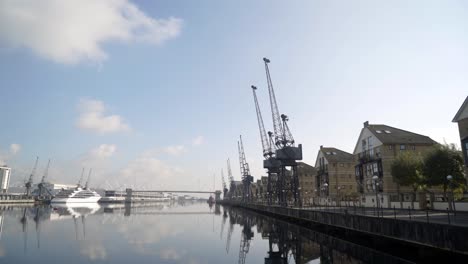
pixel 270 163
pixel 286 151
pixel 87 181
pixel 41 185
pixel 247 178
pixel 225 189
pixel 232 186
pixel 29 183
pixel 78 185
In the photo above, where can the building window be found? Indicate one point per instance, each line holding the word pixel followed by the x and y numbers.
pixel 375 168
pixel 402 147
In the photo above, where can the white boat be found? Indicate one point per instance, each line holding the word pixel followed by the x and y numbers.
pixel 77 195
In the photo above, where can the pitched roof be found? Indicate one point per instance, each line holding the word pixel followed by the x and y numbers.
pixel 336 155
pixel 459 116
pixel 305 166
pixel 392 135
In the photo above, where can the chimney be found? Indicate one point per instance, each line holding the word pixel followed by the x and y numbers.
pixel 321 146
pixel 366 124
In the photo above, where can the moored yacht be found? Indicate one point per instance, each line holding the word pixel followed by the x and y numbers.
pixel 78 194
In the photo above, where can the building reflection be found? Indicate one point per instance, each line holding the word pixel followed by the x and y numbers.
pixel 288 243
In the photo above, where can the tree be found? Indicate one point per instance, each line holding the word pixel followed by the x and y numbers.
pixel 407 171
pixel 442 161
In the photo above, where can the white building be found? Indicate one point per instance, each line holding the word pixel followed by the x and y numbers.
pixel 5 173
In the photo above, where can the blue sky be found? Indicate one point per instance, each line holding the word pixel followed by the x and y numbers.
pixel 128 87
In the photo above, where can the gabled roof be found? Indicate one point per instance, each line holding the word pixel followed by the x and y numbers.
pixel 463 109
pixel 305 165
pixel 392 135
pixel 336 155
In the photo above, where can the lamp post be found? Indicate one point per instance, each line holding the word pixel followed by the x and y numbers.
pixel 325 190
pixel 450 183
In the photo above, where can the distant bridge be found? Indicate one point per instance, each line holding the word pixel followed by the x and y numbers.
pixel 130 193
pixel 171 191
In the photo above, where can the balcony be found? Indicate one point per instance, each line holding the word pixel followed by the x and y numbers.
pixel 368 156
pixel 322 170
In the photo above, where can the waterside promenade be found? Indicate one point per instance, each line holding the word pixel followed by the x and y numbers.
pixel 433 230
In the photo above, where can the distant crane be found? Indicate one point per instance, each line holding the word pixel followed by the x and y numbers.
pixel 270 163
pixel 78 185
pixel 29 183
pixel 247 179
pixel 286 151
pixel 41 185
pixel 225 189
pixel 232 187
pixel 87 181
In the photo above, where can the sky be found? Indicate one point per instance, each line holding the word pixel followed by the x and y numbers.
pixel 154 94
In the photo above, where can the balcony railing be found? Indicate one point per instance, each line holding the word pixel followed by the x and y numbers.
pixel 369 156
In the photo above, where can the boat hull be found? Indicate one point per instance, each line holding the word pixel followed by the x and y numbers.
pixel 76 200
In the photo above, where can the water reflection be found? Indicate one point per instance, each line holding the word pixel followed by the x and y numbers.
pixel 288 243
pixel 166 232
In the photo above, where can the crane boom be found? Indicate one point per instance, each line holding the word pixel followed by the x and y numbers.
pixel 282 134
pixel 267 151
pixel 274 106
pixel 244 159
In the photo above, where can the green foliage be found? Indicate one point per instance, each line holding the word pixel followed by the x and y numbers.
pixel 407 170
pixel 442 161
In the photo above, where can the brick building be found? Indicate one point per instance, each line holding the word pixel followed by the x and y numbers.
pixel 335 179
pixel 376 149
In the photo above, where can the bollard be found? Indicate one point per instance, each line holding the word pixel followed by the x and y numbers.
pixel 427 215
pixel 409 212
pixel 394 211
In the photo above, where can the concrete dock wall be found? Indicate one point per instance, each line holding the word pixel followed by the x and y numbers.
pixel 448 237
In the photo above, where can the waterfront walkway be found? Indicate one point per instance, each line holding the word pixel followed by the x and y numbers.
pixel 428 216
pixel 438 230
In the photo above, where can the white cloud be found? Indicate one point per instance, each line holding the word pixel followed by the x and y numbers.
pixel 104 151
pixel 175 150
pixel 73 31
pixel 198 141
pixel 15 148
pixel 92 118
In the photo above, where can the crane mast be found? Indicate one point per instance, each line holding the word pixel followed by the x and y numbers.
pixel 267 150
pixel 282 134
pixel 28 184
pixel 247 179
pixel 286 152
pixel 270 163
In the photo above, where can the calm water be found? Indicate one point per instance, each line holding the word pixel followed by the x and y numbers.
pixel 166 233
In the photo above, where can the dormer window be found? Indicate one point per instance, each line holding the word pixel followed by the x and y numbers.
pixel 387 132
pixel 378 131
